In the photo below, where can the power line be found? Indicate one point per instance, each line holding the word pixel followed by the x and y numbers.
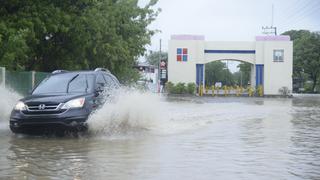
pixel 305 15
pixel 305 11
pixel 300 20
pixel 291 10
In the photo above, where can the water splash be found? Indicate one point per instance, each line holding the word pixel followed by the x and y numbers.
pixel 145 112
pixel 8 99
pixel 139 113
pixel 128 112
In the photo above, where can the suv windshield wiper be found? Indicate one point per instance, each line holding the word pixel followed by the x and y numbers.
pixel 71 81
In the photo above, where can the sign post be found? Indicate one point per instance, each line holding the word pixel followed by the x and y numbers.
pixel 163 74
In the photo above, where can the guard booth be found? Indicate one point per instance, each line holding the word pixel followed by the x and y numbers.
pixel 270 58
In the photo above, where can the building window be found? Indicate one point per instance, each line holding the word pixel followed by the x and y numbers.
pixel 278 55
pixel 182 54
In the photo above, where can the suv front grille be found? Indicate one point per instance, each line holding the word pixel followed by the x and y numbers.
pixel 42 108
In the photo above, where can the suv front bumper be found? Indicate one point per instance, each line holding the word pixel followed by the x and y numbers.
pixel 72 119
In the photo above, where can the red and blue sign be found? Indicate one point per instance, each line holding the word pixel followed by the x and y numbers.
pixel 182 54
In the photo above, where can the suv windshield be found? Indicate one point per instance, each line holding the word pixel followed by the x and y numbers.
pixel 66 83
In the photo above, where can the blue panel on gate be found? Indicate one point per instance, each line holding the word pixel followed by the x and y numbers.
pixel 199 76
pixel 230 51
pixel 259 74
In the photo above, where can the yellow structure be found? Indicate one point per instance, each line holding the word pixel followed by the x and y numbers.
pixel 201 90
pixel 250 91
pixel 225 90
pixel 260 91
pixel 237 90
pixel 212 88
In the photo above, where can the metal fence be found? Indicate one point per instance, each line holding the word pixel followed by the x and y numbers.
pixel 21 81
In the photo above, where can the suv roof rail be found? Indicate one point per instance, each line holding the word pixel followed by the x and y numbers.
pixel 102 69
pixel 58 71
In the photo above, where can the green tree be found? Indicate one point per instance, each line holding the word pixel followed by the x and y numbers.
pixel 306 54
pixel 153 57
pixel 217 71
pixel 45 35
pixel 244 74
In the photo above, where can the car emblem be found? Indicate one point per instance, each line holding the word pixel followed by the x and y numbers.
pixel 42 107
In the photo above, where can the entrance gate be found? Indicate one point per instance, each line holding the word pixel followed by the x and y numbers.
pixel 269 56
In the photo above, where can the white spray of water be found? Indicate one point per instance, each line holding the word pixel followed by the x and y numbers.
pixel 8 99
pixel 127 113
pixel 145 112
pixel 136 112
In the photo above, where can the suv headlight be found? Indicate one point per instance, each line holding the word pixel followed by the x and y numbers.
pixel 74 103
pixel 20 106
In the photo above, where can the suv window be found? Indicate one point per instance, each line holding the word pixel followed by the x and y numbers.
pixel 101 82
pixel 78 85
pixel 65 83
pixel 110 81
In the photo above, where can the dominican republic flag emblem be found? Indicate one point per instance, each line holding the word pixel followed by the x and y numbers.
pixel 182 54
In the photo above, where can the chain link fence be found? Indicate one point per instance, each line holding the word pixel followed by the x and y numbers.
pixel 21 82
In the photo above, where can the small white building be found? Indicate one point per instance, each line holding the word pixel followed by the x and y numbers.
pixel 270 56
pixel 148 76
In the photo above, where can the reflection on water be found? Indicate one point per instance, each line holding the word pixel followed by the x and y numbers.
pixel 46 157
pixel 203 138
pixel 305 151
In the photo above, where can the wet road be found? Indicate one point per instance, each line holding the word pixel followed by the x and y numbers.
pixel 178 138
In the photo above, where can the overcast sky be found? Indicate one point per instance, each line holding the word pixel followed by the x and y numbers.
pixel 231 20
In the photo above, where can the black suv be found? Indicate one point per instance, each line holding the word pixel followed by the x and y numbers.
pixel 64 100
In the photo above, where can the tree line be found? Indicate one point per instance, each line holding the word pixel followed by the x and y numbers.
pixel 306 60
pixel 45 35
pixel 218 71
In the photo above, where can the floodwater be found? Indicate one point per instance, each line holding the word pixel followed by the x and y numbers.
pixel 145 136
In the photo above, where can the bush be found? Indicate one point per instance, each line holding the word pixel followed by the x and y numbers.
pixel 284 91
pixel 169 87
pixel 308 87
pixel 191 88
pixel 180 88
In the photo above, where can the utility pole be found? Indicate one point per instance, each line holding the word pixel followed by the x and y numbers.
pixel 270 30
pixel 272 15
pixel 159 75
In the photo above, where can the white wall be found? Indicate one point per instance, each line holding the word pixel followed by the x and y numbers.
pixel 180 71
pixel 277 74
pixel 236 45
